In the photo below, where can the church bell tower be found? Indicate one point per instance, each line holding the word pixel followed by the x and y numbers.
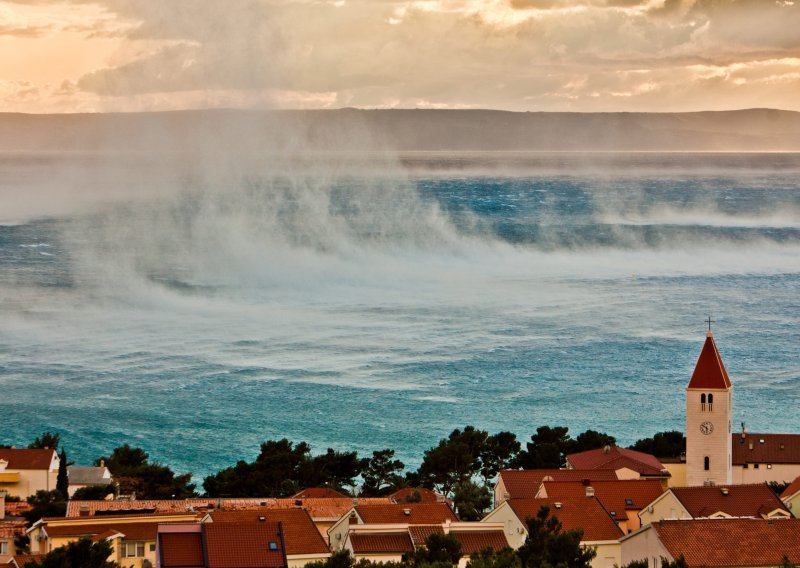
pixel 708 419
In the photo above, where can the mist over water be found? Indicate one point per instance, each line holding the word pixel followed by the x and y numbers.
pixel 363 302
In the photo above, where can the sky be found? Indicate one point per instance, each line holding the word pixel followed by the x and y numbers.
pixel 523 55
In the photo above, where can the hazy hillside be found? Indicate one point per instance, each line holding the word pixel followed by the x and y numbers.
pixel 403 130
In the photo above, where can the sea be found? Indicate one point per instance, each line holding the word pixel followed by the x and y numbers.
pixel 367 302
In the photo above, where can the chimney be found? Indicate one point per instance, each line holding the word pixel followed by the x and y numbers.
pixel 557 504
pixel 723 490
pixel 407 512
pixel 298 503
pixel 606 449
pixel 262 519
pixel 750 446
pixel 589 491
pixel 83 511
pixel 102 463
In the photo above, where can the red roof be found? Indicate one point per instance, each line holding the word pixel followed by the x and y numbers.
pixel 767 448
pixel 614 457
pixel 332 509
pixel 585 513
pixel 300 532
pixel 524 484
pixel 735 500
pixel 318 493
pixel 181 550
pixel 132 531
pixel 243 545
pixel 616 496
pixel 420 533
pixel 475 541
pixel 731 542
pixel 425 495
pixel 793 488
pixel 411 513
pixel 9 529
pixel 27 459
pixel 366 543
pixel 709 372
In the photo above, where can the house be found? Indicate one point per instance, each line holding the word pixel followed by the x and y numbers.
pixel 585 513
pixel 791 497
pixel 623 499
pixel 23 472
pixel 221 545
pixel 715 543
pixel 525 483
pixel 627 464
pixel 327 511
pixel 759 458
pixel 302 540
pixel 9 531
pixel 132 537
pixel 389 542
pixel 755 501
pixel 388 513
pixel 87 476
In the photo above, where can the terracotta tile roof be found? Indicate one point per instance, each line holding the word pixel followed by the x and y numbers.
pixel 319 493
pixel 615 496
pixel 300 533
pixel 420 533
pixel 475 541
pixel 27 459
pixel 9 529
pixel 20 560
pixel 173 505
pixel 731 542
pixel 244 545
pixel 775 448
pixel 16 509
pixel 411 513
pixel 585 513
pixel 321 509
pixel 181 550
pixel 614 457
pixel 426 495
pixel 132 531
pixel 525 483
pixel 740 500
pixel 709 372
pixel 793 488
pixel 366 543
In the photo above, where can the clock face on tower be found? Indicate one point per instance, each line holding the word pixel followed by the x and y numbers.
pixel 706 428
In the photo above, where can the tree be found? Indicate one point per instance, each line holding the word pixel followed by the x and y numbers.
pixel 547 544
pixel 135 474
pixel 637 564
pixel 663 444
pixel 455 459
pixel 47 441
pixel 93 492
pixel 591 440
pixel 488 558
pixel 337 469
pixel 498 453
pixel 778 487
pixel 786 563
pixel 381 473
pixel 62 480
pixel 547 449
pixel 471 500
pixel 79 554
pixel 441 548
pixel 45 504
pixel 679 562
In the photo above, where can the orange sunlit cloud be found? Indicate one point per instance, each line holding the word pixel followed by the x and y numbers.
pixel 583 55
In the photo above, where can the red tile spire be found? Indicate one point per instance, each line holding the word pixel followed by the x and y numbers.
pixel 709 372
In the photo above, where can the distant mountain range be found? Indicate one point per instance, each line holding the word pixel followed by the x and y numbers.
pixel 402 130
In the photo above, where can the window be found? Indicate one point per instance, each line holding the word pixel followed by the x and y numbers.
pixel 703 402
pixel 755 466
pixel 706 463
pixel 133 550
pixel 3 548
pixel 710 402
pixel 273 545
pixel 745 466
pixel 152 547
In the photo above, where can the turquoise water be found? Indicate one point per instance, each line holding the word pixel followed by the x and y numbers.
pixel 363 307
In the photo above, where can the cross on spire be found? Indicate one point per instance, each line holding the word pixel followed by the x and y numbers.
pixel 709 321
